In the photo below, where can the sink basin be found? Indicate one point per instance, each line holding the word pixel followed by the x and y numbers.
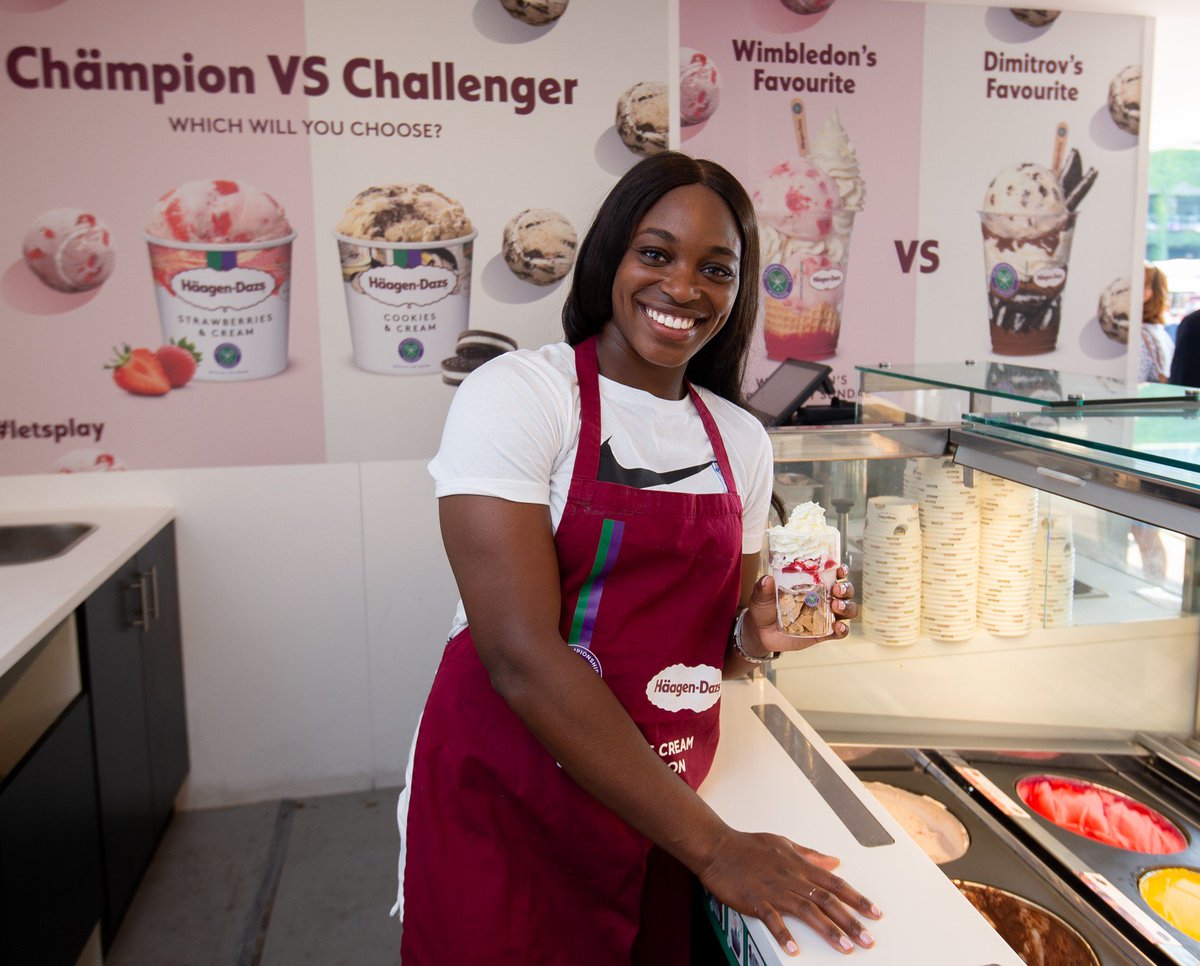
pixel 29 543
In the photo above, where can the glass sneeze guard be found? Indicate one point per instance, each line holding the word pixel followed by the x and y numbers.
pixel 1023 384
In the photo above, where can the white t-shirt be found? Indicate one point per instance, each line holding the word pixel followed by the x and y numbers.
pixel 513 430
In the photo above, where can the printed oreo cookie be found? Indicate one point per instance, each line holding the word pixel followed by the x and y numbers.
pixel 477 339
pixel 475 347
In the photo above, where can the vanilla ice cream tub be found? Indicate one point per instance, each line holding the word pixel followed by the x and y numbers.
pixel 221 259
pixel 406 252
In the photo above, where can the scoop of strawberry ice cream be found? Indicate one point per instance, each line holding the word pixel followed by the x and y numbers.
pixel 216 212
pixel 699 87
pixel 69 249
pixel 88 461
pixel 798 199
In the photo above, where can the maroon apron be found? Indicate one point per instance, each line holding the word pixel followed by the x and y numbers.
pixel 508 859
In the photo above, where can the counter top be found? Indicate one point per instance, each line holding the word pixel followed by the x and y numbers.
pixel 757 785
pixel 34 597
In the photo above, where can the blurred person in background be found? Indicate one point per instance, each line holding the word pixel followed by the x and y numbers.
pixel 1185 365
pixel 1154 364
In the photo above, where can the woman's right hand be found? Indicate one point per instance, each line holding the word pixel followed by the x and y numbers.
pixel 769 876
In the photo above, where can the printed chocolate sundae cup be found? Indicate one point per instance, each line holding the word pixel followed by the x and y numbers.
pixel 221 258
pixel 804 555
pixel 406 254
pixel 1028 222
pixel 1026 274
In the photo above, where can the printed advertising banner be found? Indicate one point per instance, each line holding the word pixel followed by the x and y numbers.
pixel 284 233
pixel 934 182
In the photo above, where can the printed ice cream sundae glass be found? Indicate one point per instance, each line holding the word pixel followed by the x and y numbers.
pixel 1028 221
pixel 806 208
pixel 803 556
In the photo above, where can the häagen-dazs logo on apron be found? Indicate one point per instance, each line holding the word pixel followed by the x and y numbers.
pixel 683 688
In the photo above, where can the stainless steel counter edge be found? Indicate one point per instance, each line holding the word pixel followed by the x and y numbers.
pixel 35 597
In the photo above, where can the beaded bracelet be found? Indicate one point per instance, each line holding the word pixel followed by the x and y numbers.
pixel 737 642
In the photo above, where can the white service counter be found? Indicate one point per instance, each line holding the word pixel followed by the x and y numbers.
pixel 756 785
pixel 35 597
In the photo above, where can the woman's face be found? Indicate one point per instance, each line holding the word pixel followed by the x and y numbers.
pixel 673 290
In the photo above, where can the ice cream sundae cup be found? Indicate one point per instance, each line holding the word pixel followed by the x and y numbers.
pixel 1028 221
pixel 806 207
pixel 221 258
pixel 803 556
pixel 405 254
pixel 1026 273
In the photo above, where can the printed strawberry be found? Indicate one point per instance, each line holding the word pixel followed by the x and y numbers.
pixel 138 371
pixel 179 361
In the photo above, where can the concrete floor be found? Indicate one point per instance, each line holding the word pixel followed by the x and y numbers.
pixel 288 883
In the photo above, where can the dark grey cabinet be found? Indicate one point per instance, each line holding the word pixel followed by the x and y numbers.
pixel 134 672
pixel 51 885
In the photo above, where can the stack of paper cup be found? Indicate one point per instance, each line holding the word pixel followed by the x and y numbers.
pixel 1007 524
pixel 1054 570
pixel 891 591
pixel 950 551
pixel 912 480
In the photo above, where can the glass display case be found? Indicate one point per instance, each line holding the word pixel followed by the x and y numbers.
pixel 1021 689
pixel 1022 573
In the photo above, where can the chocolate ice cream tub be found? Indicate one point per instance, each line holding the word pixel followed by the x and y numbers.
pixel 408 301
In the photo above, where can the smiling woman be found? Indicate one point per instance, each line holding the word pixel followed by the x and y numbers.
pixel 602 504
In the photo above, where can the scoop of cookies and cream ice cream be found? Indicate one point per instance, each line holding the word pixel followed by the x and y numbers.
pixel 69 249
pixel 1024 201
pixel 1125 99
pixel 1112 310
pixel 1034 16
pixel 642 117
pixel 535 12
pixel 699 87
pixel 217 211
pixel 539 245
pixel 404 213
pixel 808 6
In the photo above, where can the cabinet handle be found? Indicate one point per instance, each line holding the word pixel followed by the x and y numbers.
pixel 142 621
pixel 1061 477
pixel 154 591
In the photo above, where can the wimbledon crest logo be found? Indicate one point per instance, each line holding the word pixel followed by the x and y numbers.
pixel 777 280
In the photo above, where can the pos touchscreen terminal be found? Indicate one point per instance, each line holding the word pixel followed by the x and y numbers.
pixel 786 389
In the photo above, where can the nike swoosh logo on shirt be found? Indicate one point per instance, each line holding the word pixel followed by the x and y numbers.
pixel 639 477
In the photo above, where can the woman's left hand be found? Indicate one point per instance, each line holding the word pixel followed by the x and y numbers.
pixel 760 628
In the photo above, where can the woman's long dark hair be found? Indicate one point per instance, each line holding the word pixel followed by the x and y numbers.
pixel 720 364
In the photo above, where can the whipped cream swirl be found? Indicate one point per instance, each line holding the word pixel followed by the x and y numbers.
pixel 806 534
